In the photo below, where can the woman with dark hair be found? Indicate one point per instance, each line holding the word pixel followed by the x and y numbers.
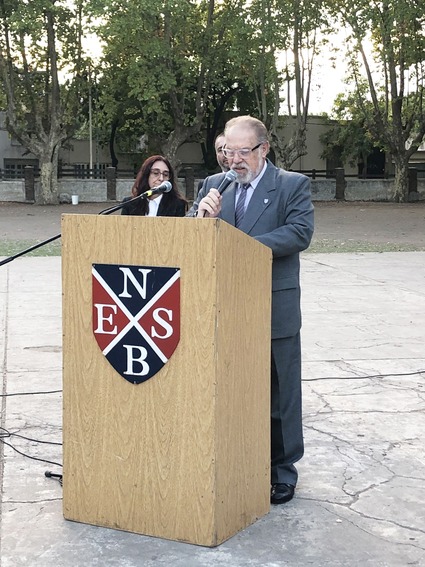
pixel 154 171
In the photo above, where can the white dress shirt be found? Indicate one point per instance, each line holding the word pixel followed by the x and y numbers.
pixel 153 206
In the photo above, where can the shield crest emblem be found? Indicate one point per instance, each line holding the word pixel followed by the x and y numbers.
pixel 136 317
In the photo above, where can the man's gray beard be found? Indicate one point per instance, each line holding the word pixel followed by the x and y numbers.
pixel 247 177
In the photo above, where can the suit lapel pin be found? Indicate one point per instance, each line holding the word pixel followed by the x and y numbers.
pixel 266 201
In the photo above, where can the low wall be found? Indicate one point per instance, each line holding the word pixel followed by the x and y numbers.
pixel 95 190
pixel 323 189
pixel 362 190
pixel 12 191
pixel 88 190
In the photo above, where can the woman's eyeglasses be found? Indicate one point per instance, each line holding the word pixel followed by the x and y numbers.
pixel 158 173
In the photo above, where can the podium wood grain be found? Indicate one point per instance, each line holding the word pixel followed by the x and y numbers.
pixel 186 454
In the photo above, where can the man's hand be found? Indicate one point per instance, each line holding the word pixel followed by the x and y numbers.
pixel 210 206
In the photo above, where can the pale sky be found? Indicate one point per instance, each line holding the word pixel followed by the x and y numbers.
pixel 327 84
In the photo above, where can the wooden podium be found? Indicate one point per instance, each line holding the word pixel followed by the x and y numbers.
pixel 184 455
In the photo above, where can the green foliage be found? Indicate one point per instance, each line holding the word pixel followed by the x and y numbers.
pixel 349 139
pixel 172 65
pixel 42 70
pixel 25 27
pixel 386 50
pixel 283 47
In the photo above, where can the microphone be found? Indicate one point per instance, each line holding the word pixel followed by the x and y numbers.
pixel 228 179
pixel 165 187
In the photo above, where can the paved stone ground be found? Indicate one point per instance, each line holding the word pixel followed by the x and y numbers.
pixel 359 502
pixel 360 497
pixel 340 226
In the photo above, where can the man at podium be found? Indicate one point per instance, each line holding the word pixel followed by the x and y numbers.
pixel 274 207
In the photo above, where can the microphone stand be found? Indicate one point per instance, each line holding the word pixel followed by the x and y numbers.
pixel 107 211
pixel 110 210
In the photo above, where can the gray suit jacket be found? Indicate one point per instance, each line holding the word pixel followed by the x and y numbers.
pixel 280 214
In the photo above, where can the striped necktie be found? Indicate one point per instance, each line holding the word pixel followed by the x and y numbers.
pixel 240 205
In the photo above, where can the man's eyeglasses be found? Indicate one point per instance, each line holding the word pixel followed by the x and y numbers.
pixel 243 153
pixel 158 172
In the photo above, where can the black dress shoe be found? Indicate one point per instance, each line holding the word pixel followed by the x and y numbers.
pixel 282 493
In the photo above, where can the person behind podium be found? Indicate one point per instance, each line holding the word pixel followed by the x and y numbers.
pixel 276 210
pixel 154 171
pixel 222 160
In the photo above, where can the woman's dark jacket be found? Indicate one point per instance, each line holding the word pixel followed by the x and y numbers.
pixel 170 206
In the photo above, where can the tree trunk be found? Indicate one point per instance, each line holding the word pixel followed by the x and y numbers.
pixel 170 147
pixel 177 138
pixel 48 194
pixel 401 180
pixel 114 159
pixel 287 153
